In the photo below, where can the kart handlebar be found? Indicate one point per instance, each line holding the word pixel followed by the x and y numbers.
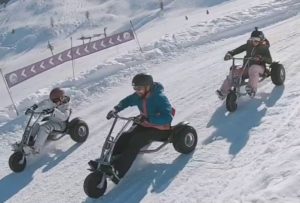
pixel 124 118
pixel 245 58
pixel 235 58
pixel 136 119
pixel 38 112
pixel 32 112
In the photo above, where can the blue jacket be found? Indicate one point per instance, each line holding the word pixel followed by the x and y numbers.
pixel 155 106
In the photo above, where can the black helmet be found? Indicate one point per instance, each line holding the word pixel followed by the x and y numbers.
pixel 257 33
pixel 142 79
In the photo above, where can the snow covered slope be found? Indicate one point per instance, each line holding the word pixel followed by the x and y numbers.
pixel 248 156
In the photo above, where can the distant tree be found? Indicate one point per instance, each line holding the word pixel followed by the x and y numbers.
pixel 50 46
pixel 4 2
pixel 104 32
pixel 82 38
pixel 161 5
pixel 52 22
pixel 87 15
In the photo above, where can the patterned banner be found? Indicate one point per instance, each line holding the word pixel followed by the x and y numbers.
pixel 20 75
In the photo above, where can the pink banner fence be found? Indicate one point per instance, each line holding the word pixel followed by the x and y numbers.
pixel 15 77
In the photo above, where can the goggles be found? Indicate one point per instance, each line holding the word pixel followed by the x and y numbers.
pixel 138 88
pixel 255 39
pixel 56 100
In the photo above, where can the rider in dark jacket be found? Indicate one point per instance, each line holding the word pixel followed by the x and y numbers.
pixel 257 55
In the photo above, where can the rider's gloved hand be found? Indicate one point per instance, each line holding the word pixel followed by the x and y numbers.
pixel 257 58
pixel 111 114
pixel 34 107
pixel 139 119
pixel 47 111
pixel 227 56
pixel 31 109
pixel 28 111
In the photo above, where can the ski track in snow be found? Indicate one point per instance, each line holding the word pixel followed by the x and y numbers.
pixel 239 157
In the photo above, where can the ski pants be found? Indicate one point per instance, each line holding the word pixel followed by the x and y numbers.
pixel 130 143
pixel 254 71
pixel 45 129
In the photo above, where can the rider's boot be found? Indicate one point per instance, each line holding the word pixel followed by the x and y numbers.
pixel 220 94
pixel 30 150
pixel 250 91
pixel 110 171
pixel 93 165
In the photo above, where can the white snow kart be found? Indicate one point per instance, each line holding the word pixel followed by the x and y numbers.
pixel 182 136
pixel 76 128
pixel 275 70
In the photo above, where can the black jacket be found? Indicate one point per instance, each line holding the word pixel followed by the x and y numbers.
pixel 261 50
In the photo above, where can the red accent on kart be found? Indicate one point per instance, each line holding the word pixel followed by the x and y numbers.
pixel 173 111
pixel 145 112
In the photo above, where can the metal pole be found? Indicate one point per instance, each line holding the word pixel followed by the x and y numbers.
pixel 161 5
pixel 6 85
pixel 137 40
pixel 72 59
pixel 104 31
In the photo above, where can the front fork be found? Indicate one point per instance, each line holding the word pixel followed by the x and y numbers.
pixel 25 139
pixel 101 184
pixel 109 144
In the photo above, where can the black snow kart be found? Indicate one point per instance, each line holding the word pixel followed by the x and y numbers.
pixel 275 70
pixel 76 128
pixel 182 136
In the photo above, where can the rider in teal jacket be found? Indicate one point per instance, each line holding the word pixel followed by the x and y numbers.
pixel 155 125
pixel 154 106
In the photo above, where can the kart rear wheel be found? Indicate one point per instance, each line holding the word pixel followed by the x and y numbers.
pixel 231 104
pixel 185 140
pixel 78 130
pixel 277 74
pixel 17 162
pixel 95 184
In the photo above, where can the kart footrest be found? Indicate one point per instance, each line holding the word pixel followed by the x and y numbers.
pixel 54 137
pixel 154 150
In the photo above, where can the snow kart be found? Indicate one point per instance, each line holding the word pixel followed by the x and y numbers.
pixel 182 136
pixel 76 128
pixel 239 78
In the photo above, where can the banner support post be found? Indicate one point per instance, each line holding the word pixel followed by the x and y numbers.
pixel 72 59
pixel 137 40
pixel 9 93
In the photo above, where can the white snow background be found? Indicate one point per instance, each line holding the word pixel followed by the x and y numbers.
pixel 251 155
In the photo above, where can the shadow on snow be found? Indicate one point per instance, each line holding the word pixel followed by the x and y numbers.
pixel 14 182
pixel 236 127
pixel 154 178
